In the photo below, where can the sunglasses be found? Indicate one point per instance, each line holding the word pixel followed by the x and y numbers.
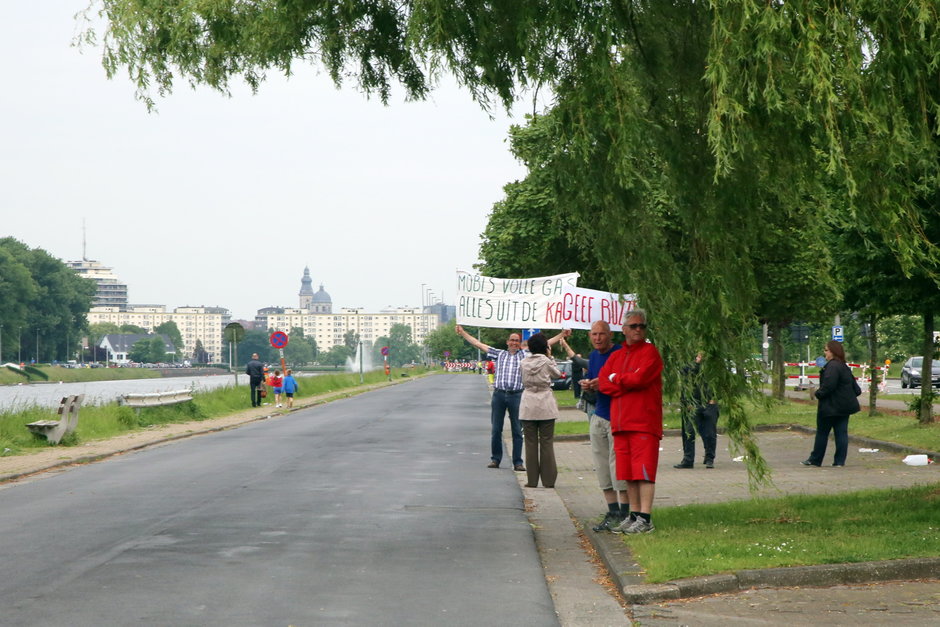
pixel 636 326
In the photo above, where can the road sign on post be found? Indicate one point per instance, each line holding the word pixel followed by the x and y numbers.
pixel 837 333
pixel 278 339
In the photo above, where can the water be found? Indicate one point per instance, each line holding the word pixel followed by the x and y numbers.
pixel 14 397
pixel 352 363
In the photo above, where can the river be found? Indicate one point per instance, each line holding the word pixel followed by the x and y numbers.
pixel 15 397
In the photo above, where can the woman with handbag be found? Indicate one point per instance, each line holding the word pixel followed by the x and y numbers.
pixel 838 399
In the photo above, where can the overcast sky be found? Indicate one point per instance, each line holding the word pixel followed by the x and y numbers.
pixel 222 201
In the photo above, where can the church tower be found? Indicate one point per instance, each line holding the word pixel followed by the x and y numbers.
pixel 306 291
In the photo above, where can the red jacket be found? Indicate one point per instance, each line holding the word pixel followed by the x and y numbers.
pixel 632 377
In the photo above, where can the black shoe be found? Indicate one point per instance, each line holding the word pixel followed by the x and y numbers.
pixel 806 462
pixel 709 464
pixel 493 465
pixel 610 521
pixel 519 468
pixel 683 465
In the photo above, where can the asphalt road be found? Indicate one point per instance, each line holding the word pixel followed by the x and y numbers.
pixel 375 510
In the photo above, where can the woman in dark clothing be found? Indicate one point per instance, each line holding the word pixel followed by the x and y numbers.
pixel 838 399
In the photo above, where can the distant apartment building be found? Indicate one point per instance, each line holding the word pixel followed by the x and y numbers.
pixel 110 292
pixel 329 329
pixel 204 324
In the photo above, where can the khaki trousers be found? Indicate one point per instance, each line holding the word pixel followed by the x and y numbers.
pixel 540 452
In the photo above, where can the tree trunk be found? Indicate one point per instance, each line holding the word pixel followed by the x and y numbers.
pixel 876 375
pixel 779 371
pixel 926 373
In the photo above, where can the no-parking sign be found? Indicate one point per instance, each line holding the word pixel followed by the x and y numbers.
pixel 278 339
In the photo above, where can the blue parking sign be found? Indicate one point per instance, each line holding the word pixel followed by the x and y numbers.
pixel 527 333
pixel 837 334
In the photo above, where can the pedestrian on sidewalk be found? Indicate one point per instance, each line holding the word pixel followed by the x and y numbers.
pixel 699 415
pixel 632 377
pixel 597 406
pixel 277 382
pixel 290 387
pixel 255 371
pixel 538 412
pixel 838 399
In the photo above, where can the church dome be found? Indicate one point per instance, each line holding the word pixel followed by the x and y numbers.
pixel 321 296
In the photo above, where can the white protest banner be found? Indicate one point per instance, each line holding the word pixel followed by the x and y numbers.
pixel 579 308
pixel 509 303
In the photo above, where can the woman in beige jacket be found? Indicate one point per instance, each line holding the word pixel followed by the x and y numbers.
pixel 538 412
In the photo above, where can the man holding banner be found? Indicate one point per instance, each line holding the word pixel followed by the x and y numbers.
pixel 507 392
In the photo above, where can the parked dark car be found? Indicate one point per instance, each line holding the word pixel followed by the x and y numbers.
pixel 911 374
pixel 564 383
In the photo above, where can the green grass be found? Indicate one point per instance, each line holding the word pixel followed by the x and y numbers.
pixel 571 428
pixel 862 526
pixel 904 429
pixel 565 398
pixel 106 421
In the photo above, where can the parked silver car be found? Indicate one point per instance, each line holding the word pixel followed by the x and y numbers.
pixel 911 372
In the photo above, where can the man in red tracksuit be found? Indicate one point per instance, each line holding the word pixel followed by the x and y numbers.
pixel 632 377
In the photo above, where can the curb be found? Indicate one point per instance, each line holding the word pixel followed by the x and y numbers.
pixel 821 575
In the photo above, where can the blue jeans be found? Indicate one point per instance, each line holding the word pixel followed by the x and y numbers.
pixel 502 401
pixel 839 425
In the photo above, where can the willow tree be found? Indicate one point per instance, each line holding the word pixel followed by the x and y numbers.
pixel 683 127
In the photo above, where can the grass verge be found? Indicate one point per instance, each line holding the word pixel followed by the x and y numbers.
pixel 107 421
pixel 696 540
pixel 901 429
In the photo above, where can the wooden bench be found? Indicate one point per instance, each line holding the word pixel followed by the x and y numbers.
pixel 155 399
pixel 55 430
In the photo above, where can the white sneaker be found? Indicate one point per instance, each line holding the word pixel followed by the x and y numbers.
pixel 640 526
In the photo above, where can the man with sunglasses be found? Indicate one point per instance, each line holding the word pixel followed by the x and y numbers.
pixel 507 392
pixel 632 377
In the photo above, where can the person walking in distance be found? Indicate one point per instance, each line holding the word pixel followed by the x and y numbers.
pixel 255 371
pixel 632 377
pixel 838 399
pixel 507 392
pixel 290 387
pixel 277 382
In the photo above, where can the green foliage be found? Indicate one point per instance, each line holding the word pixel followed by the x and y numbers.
pixel 171 331
pixel 696 154
pixel 401 350
pixel 256 341
pixel 444 339
pixel 44 303
pixel 336 356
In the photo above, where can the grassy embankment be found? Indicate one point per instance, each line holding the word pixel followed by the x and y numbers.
pixel 102 422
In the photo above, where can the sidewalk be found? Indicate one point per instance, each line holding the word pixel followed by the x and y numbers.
pixel 783 449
